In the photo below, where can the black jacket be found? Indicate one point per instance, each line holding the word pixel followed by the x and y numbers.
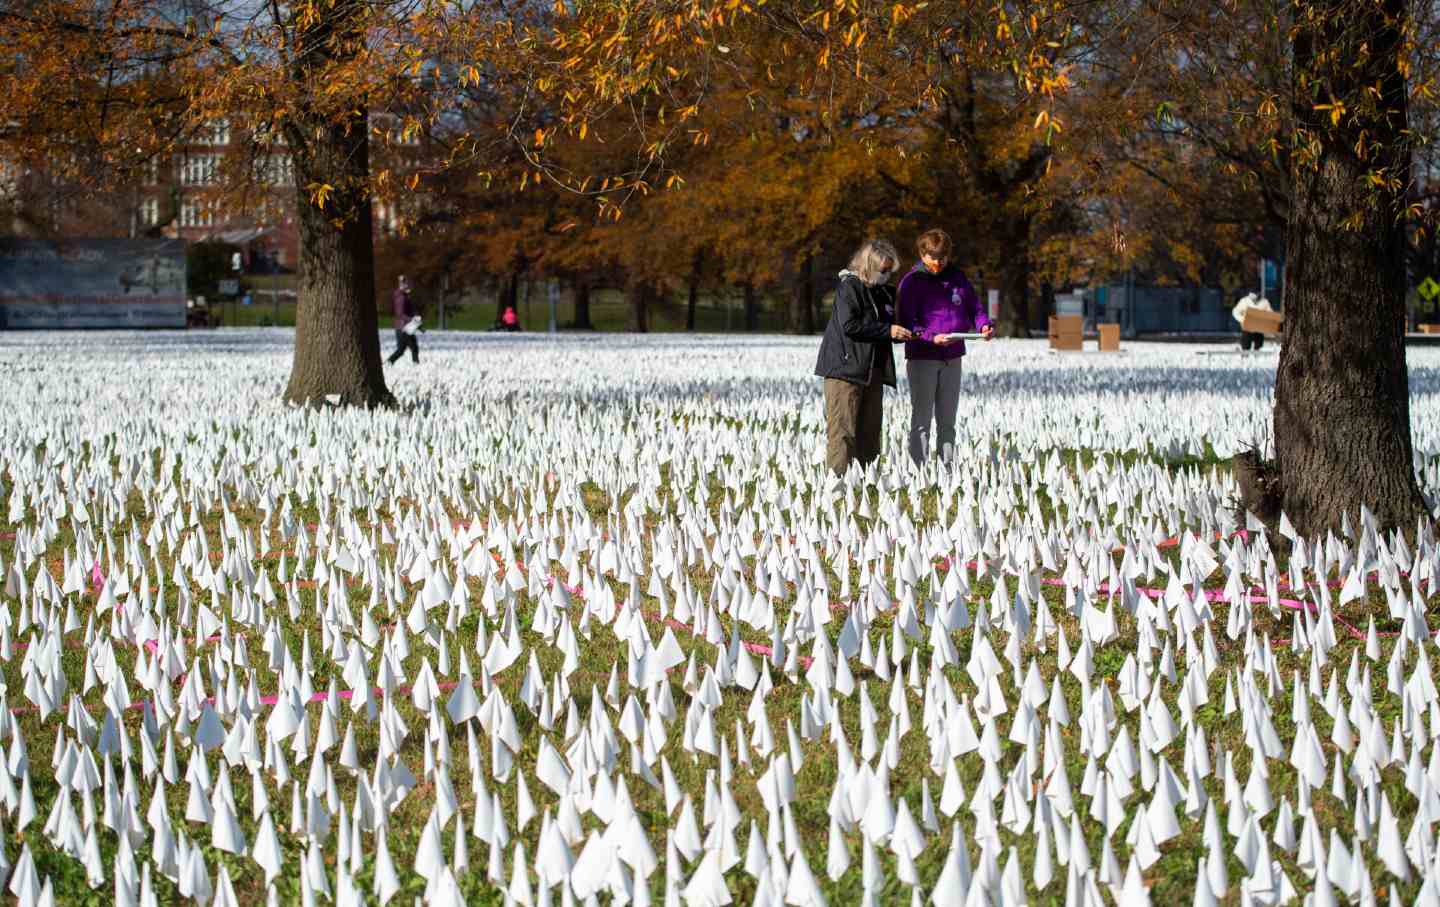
pixel 858 335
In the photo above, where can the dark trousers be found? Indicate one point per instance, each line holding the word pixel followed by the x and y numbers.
pixel 1251 340
pixel 403 340
pixel 853 421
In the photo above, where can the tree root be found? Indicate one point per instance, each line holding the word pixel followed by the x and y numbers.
pixel 1260 488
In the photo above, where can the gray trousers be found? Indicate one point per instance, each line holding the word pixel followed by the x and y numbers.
pixel 934 394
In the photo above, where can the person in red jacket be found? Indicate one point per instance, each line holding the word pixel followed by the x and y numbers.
pixel 404 311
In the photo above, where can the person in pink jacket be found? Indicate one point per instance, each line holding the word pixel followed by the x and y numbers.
pixel 936 299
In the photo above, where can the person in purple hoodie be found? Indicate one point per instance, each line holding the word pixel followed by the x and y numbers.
pixel 404 310
pixel 936 299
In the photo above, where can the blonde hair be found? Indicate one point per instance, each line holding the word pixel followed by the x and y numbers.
pixel 869 260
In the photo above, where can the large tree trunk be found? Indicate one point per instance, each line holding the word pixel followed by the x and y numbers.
pixel 692 293
pixel 752 308
pixel 1342 393
pixel 1042 306
pixel 638 295
pixel 1019 313
pixel 801 313
pixel 582 307
pixel 1015 293
pixel 692 288
pixel 337 342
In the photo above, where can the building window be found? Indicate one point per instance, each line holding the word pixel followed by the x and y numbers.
pixel 150 212
pixel 215 132
pixel 152 172
pixel 196 212
pixel 386 217
pixel 200 170
pixel 280 170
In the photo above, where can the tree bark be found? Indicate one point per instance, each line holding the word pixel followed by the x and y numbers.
pixel 638 295
pixel 1015 315
pixel 692 291
pixel 1042 306
pixel 1342 392
pixel 752 308
pixel 801 313
pixel 337 341
pixel 582 307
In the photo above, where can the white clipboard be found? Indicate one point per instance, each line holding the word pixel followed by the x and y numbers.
pixel 960 336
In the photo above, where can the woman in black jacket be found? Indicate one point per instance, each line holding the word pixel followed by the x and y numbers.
pixel 856 360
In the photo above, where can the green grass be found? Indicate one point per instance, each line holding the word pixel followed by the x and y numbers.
pixel 1171 879
pixel 608 312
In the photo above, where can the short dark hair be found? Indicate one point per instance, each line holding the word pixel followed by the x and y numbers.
pixel 935 243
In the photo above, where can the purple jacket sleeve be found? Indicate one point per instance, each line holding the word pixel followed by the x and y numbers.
pixel 905 308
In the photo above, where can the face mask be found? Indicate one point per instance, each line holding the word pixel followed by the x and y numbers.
pixel 884 276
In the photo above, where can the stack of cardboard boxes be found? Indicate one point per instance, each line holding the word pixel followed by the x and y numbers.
pixel 1065 332
pixel 1109 338
pixel 1259 321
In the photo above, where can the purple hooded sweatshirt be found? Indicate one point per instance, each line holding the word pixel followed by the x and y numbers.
pixel 932 304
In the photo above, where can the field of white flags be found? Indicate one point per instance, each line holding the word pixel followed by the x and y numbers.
pixel 586 621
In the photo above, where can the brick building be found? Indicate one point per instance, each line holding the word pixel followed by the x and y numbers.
pixel 225 184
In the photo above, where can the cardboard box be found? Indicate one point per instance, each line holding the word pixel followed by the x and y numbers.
pixel 1430 328
pixel 1065 332
pixel 1259 321
pixel 1109 338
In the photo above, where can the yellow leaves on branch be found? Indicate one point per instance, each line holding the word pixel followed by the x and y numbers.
pixel 900 12
pixel 1336 107
pixel 1052 126
pixel 320 194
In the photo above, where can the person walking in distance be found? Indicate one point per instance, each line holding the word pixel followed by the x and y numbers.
pixel 405 311
pixel 1250 339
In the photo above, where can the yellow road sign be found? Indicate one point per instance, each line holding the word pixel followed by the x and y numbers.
pixel 1429 289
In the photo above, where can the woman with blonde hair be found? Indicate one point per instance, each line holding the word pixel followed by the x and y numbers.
pixel 855 358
